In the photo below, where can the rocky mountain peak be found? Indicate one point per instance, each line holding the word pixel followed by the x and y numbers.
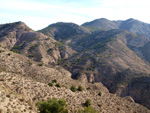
pixel 61 30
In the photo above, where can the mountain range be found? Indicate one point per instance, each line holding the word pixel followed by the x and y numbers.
pixel 107 56
pixel 131 25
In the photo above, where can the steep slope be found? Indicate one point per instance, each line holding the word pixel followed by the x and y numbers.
pixel 29 89
pixel 136 26
pixel 21 39
pixel 107 56
pixel 112 45
pixel 145 51
pixel 131 25
pixel 10 33
pixel 139 88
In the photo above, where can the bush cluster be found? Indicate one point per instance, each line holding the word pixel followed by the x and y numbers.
pixel 74 89
pixel 52 106
pixel 87 103
pixel 52 83
pixel 59 106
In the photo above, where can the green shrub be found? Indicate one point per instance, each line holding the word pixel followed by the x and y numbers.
pixel 40 64
pixel 90 68
pixel 52 106
pixel 14 50
pixel 100 62
pixel 59 60
pixel 100 93
pixel 30 63
pixel 93 82
pixel 73 89
pixel 50 84
pixel 9 54
pixel 80 88
pixel 87 103
pixel 88 88
pixel 30 56
pixel 88 110
pixel 54 81
pixel 57 85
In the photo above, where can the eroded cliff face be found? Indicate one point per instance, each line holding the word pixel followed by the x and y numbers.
pixel 139 88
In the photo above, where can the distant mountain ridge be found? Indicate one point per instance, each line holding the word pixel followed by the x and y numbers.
pixel 131 25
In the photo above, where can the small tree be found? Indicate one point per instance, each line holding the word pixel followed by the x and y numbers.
pixel 40 64
pixel 88 88
pixel 9 54
pixel 100 93
pixel 87 103
pixel 93 82
pixel 80 88
pixel 73 88
pixel 57 85
pixel 50 84
pixel 54 81
pixel 59 60
pixel 52 106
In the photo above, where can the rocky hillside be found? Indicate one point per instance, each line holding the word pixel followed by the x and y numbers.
pixel 20 89
pixel 113 57
pixel 21 39
pixel 74 56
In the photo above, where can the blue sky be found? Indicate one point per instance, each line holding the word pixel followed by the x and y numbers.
pixel 38 14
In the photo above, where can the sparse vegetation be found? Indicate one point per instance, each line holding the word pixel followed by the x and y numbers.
pixel 100 93
pixel 80 88
pixel 91 67
pixel 52 106
pixel 58 85
pixel 54 81
pixel 15 50
pixel 59 60
pixel 30 63
pixel 9 54
pixel 47 38
pixel 73 89
pixel 87 103
pixel 50 84
pixel 84 61
pixel 30 56
pixel 100 62
pixel 93 82
pixel 40 64
pixel 88 88
pixel 33 47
